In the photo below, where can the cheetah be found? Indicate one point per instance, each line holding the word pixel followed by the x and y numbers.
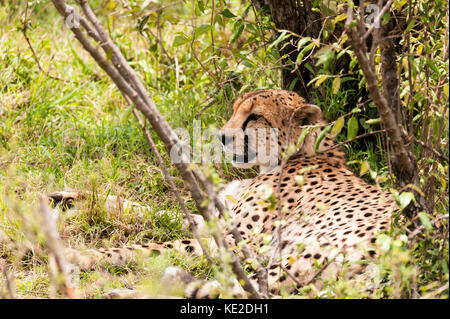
pixel 321 216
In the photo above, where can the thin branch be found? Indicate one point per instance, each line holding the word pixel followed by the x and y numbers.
pixel 436 292
pixel 129 84
pixel 8 279
pixel 421 228
pixel 322 268
pixel 377 21
pixel 351 140
pixel 56 249
pixel 435 152
pixel 261 272
pixel 172 185
pixel 24 29
pixel 403 162
pixel 295 279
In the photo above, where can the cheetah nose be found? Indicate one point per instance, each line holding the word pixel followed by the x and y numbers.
pixel 224 138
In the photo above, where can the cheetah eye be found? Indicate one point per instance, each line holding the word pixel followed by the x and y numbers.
pixel 252 117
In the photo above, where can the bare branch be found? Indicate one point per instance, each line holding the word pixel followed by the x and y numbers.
pixel 351 140
pixel 377 22
pixel 435 152
pixel 420 229
pixel 403 164
pixel 9 281
pixel 56 249
pixel 172 185
pixel 129 84
pixel 24 29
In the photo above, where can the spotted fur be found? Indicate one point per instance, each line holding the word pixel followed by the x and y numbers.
pixel 327 217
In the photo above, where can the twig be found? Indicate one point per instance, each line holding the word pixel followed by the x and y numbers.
pixel 435 152
pixel 261 272
pixel 172 185
pixel 442 253
pixel 421 228
pixel 161 45
pixel 376 22
pixel 351 140
pixel 9 281
pixel 322 268
pixel 125 4
pixel 291 276
pixel 56 249
pixel 436 292
pixel 36 59
pixel 129 84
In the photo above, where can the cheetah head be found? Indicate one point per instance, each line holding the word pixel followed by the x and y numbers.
pixel 257 132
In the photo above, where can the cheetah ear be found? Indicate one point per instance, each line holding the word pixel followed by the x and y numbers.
pixel 308 114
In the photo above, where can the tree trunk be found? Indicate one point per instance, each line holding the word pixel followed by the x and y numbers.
pixel 298 18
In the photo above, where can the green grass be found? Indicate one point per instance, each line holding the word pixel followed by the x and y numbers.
pixel 58 134
pixel 67 130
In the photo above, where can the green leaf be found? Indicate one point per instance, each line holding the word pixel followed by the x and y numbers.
pixel 231 199
pixel 292 85
pixel 310 68
pixel 320 79
pixel 337 127
pixel 386 17
pixel 303 52
pixel 248 63
pixel 352 128
pixel 322 206
pixel 336 85
pixel 179 40
pixel 302 42
pixel 405 198
pixel 300 180
pixel 282 37
pixel 325 57
pixel 302 137
pixel 112 5
pixel 321 137
pixel 384 242
pixel 124 117
pixel 201 6
pixel 339 18
pixel 245 13
pixel 373 121
pixel 202 29
pixel 228 14
pixel 300 248
pixel 238 28
pixel 268 195
pixel 425 220
pixel 365 167
pixel 410 25
pixel 432 65
pixel 142 23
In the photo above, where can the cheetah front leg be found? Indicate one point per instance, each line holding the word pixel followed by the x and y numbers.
pixel 67 200
pixel 89 258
